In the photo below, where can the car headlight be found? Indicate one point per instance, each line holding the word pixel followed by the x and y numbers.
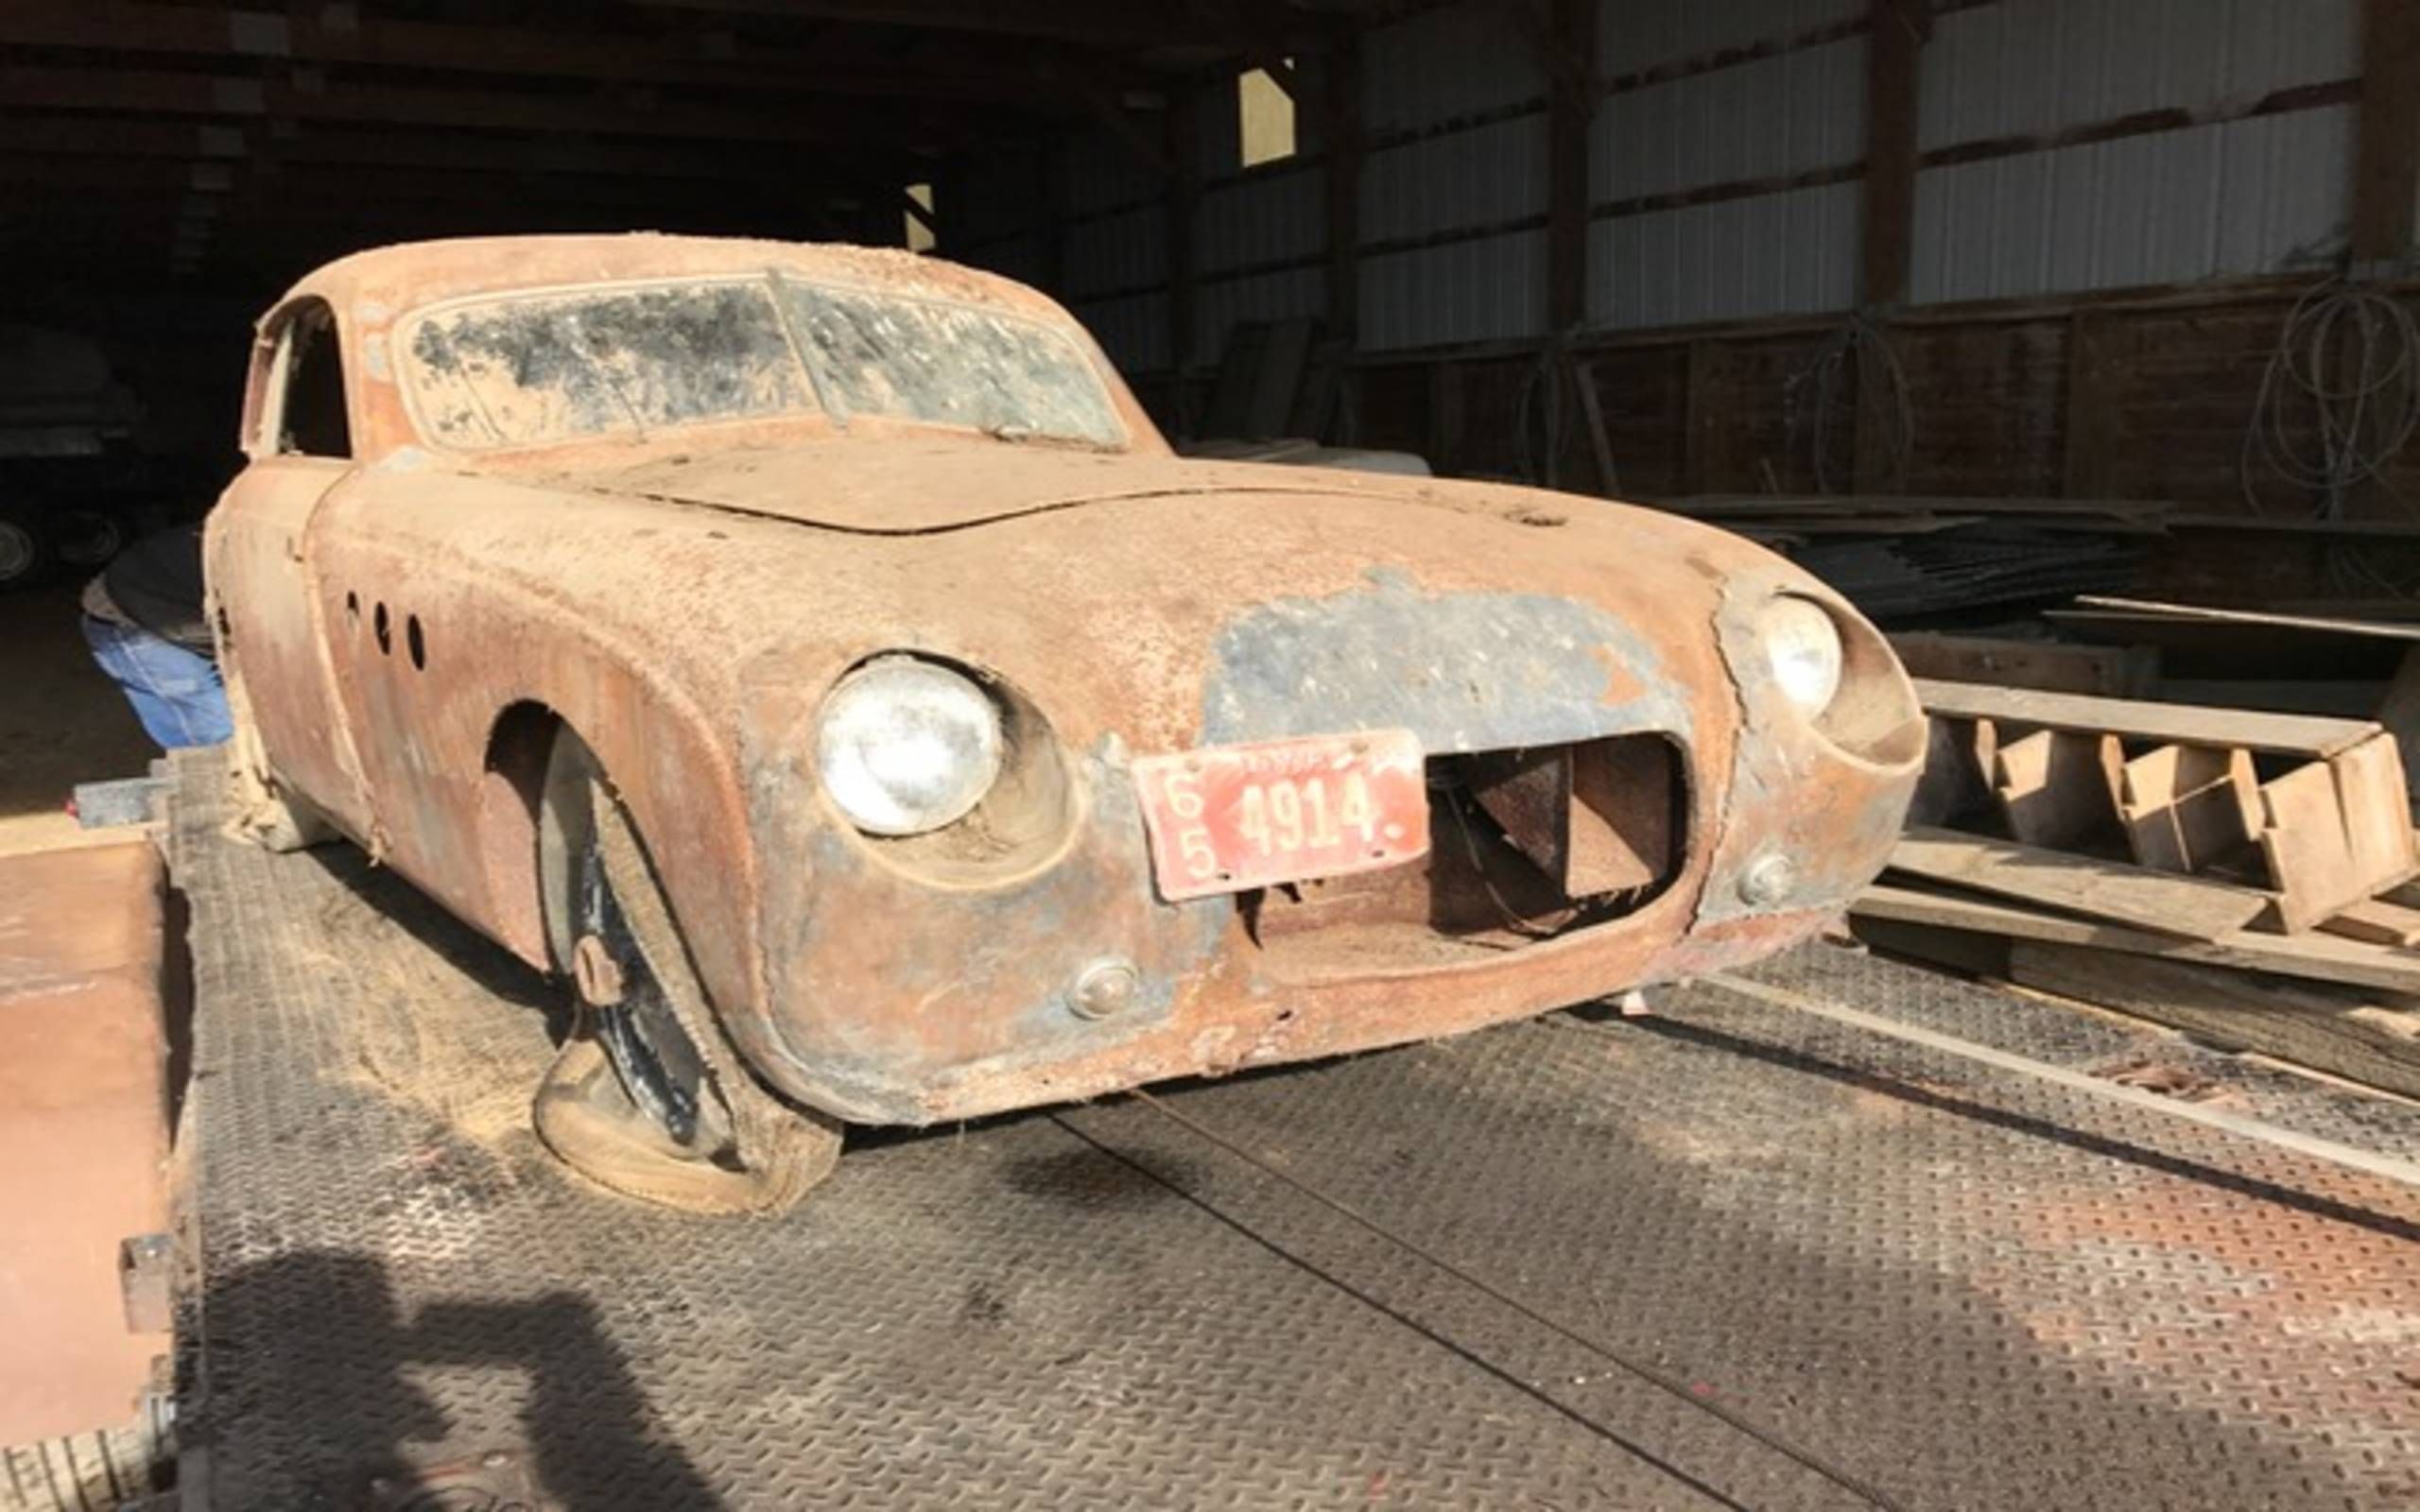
pixel 1803 646
pixel 907 746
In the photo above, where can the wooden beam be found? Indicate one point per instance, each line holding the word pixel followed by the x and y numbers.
pixel 2092 428
pixel 2057 787
pixel 1112 24
pixel 2192 906
pixel 1570 47
pixel 1183 199
pixel 146 91
pixel 1703 414
pixel 716 60
pixel 1343 155
pixel 1894 47
pixel 1109 109
pixel 1051 203
pixel 2376 1045
pixel 2177 724
pixel 2386 164
pixel 2320 957
pixel 335 143
pixel 2051 666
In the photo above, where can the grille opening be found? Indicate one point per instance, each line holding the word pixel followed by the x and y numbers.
pixel 1523 846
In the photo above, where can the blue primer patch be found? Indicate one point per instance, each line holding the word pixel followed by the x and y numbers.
pixel 1464 671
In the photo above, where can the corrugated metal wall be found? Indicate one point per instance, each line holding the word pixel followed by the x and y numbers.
pixel 1453 190
pixel 2239 192
pixel 2201 139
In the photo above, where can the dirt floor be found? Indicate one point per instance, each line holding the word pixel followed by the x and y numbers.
pixel 61 722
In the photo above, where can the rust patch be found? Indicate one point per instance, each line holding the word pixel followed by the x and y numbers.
pixel 1621 684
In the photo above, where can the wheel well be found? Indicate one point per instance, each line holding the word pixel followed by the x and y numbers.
pixel 511 793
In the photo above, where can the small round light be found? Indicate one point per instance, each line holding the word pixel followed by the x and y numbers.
pixel 907 746
pixel 1768 880
pixel 1106 987
pixel 1802 644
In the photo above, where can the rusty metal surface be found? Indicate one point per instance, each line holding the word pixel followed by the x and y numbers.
pixel 1456 1274
pixel 83 1131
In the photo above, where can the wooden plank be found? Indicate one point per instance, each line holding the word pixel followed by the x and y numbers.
pixel 2057 788
pixel 2377 811
pixel 2188 807
pixel 2135 512
pixel 2378 921
pixel 2376 1045
pixel 2399 710
pixel 2311 528
pixel 2131 719
pixel 2302 835
pixel 2191 906
pixel 2104 608
pixel 1957 778
pixel 2319 958
pixel 2052 666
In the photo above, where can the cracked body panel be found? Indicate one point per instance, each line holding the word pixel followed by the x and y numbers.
pixel 685 596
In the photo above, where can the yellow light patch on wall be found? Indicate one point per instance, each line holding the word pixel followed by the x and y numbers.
pixel 1265 114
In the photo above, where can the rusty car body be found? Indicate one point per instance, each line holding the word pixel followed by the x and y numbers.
pixel 665 495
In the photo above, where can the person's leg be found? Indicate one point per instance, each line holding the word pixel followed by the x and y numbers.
pixel 175 692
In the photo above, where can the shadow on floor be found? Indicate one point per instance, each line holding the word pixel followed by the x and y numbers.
pixel 355 1430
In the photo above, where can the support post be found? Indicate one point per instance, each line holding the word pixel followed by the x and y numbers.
pixel 1570 57
pixel 1895 36
pixel 1050 193
pixel 1894 47
pixel 1343 151
pixel 1185 192
pixel 2386 165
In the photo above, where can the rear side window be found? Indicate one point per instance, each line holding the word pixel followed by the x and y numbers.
pixel 309 386
pixel 554 368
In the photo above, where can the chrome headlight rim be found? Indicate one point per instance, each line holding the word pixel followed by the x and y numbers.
pixel 907 743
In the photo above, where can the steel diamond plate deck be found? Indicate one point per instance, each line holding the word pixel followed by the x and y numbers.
pixel 1724 1258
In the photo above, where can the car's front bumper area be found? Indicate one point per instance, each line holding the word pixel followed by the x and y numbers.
pixel 898 995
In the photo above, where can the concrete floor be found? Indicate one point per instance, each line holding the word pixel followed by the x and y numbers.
pixel 62 721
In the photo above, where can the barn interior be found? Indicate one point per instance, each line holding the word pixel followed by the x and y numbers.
pixel 2075 344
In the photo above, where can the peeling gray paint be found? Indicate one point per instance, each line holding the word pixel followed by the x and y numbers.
pixel 1464 671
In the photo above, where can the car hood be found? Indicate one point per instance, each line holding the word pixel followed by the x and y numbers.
pixel 921 487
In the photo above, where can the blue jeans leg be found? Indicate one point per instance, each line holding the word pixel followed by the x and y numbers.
pixel 176 692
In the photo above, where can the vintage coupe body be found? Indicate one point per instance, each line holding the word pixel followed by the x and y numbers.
pixel 981 752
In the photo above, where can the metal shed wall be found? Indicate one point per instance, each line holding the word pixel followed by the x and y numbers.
pixel 2256 182
pixel 2067 146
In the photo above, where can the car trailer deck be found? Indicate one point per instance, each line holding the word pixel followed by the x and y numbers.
pixel 1725 1256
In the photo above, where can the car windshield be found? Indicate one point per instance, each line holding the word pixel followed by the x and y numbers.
pixel 536 368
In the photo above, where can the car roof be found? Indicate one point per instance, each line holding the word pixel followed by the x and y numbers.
pixel 391 281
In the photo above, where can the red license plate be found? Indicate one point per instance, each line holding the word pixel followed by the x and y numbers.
pixel 1237 816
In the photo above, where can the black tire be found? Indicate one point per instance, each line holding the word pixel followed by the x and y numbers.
pixel 648 1097
pixel 25 550
pixel 83 537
